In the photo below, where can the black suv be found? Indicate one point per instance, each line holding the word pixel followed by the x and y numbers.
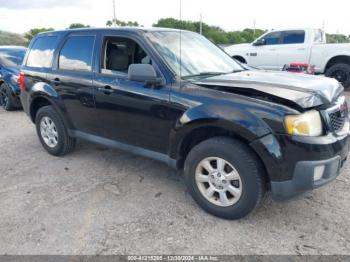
pixel 176 97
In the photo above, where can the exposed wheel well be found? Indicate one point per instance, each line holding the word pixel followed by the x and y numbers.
pixel 240 59
pixel 36 105
pixel 204 133
pixel 337 60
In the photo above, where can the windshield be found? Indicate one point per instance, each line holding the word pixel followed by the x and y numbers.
pixel 197 57
pixel 11 58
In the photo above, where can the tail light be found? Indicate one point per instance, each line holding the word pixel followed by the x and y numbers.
pixel 21 80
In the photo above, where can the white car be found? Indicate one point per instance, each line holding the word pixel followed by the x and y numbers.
pixel 277 48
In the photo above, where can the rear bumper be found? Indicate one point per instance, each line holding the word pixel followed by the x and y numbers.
pixel 291 162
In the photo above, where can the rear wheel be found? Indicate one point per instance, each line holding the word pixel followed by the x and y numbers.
pixel 52 132
pixel 224 177
pixel 341 72
pixel 6 99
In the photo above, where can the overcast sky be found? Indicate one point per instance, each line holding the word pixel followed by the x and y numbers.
pixel 21 15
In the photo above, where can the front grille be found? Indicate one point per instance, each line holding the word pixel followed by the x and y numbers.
pixel 338 114
pixel 337 121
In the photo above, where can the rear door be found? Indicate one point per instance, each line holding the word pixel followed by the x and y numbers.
pixel 293 48
pixel 72 77
pixel 37 62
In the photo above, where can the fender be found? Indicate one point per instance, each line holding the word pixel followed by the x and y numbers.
pixel 240 122
pixel 10 79
pixel 44 90
pixel 333 56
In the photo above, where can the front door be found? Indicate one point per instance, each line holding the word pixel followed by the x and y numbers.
pixel 130 112
pixel 265 56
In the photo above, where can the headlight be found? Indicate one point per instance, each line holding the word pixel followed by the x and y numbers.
pixel 307 124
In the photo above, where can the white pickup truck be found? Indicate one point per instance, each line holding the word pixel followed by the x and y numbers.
pixel 277 48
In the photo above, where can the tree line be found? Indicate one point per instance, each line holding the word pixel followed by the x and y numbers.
pixel 214 33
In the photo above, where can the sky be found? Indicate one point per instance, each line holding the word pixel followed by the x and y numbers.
pixel 21 15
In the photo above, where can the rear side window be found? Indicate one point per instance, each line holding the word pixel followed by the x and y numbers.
pixel 293 37
pixel 41 53
pixel 76 53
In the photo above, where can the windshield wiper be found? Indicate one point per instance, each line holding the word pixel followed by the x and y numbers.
pixel 205 74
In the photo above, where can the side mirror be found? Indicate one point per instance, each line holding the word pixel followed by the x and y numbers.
pixel 144 73
pixel 260 42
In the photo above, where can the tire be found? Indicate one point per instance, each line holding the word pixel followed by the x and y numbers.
pixel 237 156
pixel 54 138
pixel 341 72
pixel 6 98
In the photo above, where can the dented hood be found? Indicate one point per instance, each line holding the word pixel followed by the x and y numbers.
pixel 306 91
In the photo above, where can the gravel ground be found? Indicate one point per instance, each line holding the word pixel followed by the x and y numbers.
pixel 102 201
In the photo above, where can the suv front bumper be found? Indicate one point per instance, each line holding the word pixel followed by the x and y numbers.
pixel 296 165
pixel 303 178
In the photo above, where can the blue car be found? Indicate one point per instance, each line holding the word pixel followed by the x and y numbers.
pixel 11 58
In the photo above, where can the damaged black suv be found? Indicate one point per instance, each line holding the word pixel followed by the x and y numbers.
pixel 176 97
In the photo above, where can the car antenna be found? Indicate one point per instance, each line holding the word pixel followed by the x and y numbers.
pixel 180 67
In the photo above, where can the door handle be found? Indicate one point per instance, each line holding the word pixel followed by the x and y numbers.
pixel 106 89
pixel 272 49
pixel 56 81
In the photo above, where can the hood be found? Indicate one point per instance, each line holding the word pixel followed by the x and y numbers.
pixel 304 91
pixel 237 47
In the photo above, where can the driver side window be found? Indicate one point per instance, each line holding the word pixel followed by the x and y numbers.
pixel 120 53
pixel 272 38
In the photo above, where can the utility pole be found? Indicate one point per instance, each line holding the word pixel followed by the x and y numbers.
pixel 254 24
pixel 114 16
pixel 201 25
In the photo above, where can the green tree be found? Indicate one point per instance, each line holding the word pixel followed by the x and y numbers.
pixel 214 33
pixel 33 32
pixel 7 38
pixel 122 23
pixel 78 25
pixel 337 38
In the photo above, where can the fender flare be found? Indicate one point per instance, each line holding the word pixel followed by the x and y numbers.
pixel 42 90
pixel 6 79
pixel 239 122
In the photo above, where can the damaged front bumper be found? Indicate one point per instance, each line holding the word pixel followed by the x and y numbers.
pixel 296 165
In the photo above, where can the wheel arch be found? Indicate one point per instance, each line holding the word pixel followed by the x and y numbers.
pixel 38 102
pixel 337 60
pixel 240 58
pixel 43 94
pixel 198 130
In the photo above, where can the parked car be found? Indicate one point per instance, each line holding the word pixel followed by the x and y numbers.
pixel 235 132
pixel 11 58
pixel 277 48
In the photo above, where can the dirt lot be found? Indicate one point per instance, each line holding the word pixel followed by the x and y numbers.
pixel 102 201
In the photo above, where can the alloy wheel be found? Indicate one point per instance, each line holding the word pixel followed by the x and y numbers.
pixel 48 132
pixel 218 181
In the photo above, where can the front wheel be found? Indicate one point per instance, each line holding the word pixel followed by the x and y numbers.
pixel 224 177
pixel 341 72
